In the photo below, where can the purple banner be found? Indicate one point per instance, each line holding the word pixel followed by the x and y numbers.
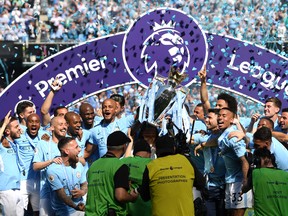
pixel 157 40
pixel 247 69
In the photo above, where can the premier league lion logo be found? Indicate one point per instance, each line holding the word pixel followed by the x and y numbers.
pixel 165 39
pixel 160 39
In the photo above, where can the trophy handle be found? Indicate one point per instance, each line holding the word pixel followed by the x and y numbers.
pixel 161 79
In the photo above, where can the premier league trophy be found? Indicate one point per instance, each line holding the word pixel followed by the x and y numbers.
pixel 160 97
pixel 165 97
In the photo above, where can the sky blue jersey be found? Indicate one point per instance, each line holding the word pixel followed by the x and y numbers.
pixel 9 170
pixel 45 151
pixel 60 176
pixel 27 148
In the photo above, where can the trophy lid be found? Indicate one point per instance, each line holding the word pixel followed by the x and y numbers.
pixel 176 76
pixel 160 78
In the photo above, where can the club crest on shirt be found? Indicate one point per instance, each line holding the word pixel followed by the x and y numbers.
pixel 78 175
pixel 10 151
pixel 51 178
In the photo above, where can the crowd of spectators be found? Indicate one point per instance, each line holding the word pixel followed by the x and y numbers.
pixel 80 20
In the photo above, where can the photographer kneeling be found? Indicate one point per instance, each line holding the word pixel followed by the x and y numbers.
pixel 269 185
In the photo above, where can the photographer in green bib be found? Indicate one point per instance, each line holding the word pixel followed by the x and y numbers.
pixel 137 165
pixel 108 180
pixel 270 185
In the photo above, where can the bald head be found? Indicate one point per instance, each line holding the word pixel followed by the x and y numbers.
pixel 109 100
pixel 85 106
pixel 74 123
pixel 33 116
pixel 109 110
pixel 33 124
pixel 58 126
pixel 56 120
pixel 70 115
pixel 87 114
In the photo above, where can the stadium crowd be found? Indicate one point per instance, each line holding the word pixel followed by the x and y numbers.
pixel 81 20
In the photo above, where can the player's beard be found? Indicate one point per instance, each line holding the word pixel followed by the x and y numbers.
pixel 73 162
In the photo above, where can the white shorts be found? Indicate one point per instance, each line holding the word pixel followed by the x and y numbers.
pixel 234 199
pixel 12 203
pixel 196 193
pixel 46 208
pixel 77 213
pixel 30 191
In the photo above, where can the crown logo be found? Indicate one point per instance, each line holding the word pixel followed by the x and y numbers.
pixel 164 25
pixel 176 76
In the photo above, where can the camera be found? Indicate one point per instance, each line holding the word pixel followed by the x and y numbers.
pixel 262 157
pixel 181 145
pixel 256 161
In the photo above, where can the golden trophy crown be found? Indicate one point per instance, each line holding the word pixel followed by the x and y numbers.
pixel 176 76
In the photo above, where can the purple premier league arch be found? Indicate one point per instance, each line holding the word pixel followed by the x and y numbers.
pixel 155 41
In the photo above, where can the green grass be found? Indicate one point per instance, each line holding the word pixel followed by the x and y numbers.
pixel 249 212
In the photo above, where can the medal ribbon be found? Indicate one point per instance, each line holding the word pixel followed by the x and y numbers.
pixel 152 93
pixel 69 185
pixel 20 162
pixel 31 141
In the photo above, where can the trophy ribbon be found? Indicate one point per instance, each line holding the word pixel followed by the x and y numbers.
pixel 160 98
pixel 179 116
pixel 146 110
